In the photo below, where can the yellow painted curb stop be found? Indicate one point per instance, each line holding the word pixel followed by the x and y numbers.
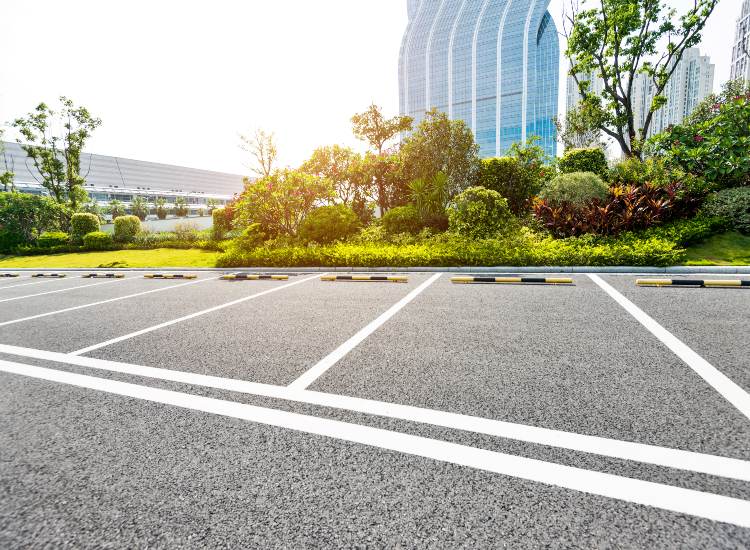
pixel 512 280
pixel 364 278
pixel 707 283
pixel 169 276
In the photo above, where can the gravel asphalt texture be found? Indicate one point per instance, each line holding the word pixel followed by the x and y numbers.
pixel 84 469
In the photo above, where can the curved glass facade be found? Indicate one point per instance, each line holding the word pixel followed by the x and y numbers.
pixel 492 63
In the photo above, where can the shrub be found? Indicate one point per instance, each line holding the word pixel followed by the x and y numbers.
pixel 98 240
pixel 715 148
pixel 82 224
pixel 402 219
pixel 513 179
pixel 627 208
pixel 732 205
pixel 480 213
pixel 187 232
pixel 329 223
pixel 576 189
pixel 24 217
pixel 52 238
pixel 252 237
pixel 161 212
pixel 126 228
pixel 584 160
pixel 222 218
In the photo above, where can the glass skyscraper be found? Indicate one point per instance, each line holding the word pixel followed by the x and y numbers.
pixel 492 63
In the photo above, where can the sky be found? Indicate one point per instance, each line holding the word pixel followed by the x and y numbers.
pixel 179 81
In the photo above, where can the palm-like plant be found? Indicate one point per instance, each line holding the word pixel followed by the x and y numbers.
pixel 139 207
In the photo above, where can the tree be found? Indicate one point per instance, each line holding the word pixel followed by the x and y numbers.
pixel 580 128
pixel 382 179
pixel 442 145
pixel 212 204
pixel 262 149
pixel 6 172
pixel 336 164
pixel 180 207
pixel 160 204
pixel 617 41
pixel 139 207
pixel 116 208
pixel 281 201
pixel 54 143
pixel 372 127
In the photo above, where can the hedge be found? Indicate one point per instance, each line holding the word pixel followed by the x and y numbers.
pixel 126 228
pixel 584 160
pixel 81 224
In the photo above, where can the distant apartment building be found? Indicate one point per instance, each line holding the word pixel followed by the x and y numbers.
pixel 741 50
pixel 491 63
pixel 691 82
pixel 115 178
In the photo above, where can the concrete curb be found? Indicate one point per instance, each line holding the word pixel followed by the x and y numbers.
pixel 724 270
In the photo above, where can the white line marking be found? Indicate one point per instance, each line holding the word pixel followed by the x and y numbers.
pixel 649 454
pixel 715 378
pixel 676 499
pixel 187 317
pixel 47 281
pixel 339 353
pixel 84 306
pixel 60 290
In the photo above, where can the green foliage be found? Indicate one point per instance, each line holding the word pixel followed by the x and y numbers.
pixel 442 145
pixel 6 173
pixel 54 141
pixel 50 239
pixel 576 189
pixel 116 209
pixel 252 237
pixel 160 205
pixel 580 127
pixel 402 219
pixel 716 149
pixel 732 205
pixel 126 228
pixel 281 201
pixel 620 39
pixel 180 207
pixel 139 207
pixel 329 223
pixel 513 180
pixel 430 196
pixel 222 218
pixel 81 224
pixel 584 160
pixel 706 109
pixel 186 232
pixel 24 217
pixel 480 213
pixel 338 165
pixel 372 127
pixel 627 208
pixel 98 240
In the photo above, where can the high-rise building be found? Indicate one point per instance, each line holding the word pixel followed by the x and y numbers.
pixel 741 50
pixel 492 63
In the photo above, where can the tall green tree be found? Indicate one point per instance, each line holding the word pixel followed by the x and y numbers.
pixel 442 145
pixel 139 207
pixel 6 170
pixel 372 127
pixel 620 39
pixel 54 141
pixel 337 165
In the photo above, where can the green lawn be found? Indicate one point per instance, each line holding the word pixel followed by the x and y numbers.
pixel 725 249
pixel 160 257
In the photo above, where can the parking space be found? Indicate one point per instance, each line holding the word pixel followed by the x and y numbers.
pixel 472 412
pixel 715 322
pixel 273 339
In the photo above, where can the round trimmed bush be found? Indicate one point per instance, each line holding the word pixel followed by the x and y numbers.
pixel 734 206
pixel 329 223
pixel 577 188
pixel 126 228
pixel 52 238
pixel 98 240
pixel 515 181
pixel 81 224
pixel 584 160
pixel 480 213
pixel 402 219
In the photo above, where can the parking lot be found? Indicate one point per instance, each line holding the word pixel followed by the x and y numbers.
pixel 294 413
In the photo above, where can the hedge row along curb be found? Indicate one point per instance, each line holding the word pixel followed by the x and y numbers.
pixel 707 283
pixel 364 278
pixel 169 276
pixel 253 277
pixel 512 280
pixel 103 276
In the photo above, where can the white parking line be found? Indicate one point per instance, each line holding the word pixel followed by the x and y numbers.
pixel 648 454
pixel 339 353
pixel 676 499
pixel 47 281
pixel 110 300
pixel 60 290
pixel 715 378
pixel 187 317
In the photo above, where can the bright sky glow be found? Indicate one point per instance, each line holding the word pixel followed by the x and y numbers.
pixel 177 81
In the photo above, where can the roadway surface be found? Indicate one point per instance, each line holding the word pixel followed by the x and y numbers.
pixel 304 413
